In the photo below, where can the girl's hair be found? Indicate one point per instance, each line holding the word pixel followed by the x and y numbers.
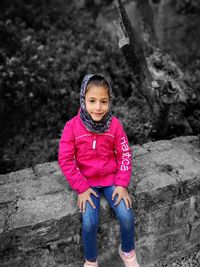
pixel 99 80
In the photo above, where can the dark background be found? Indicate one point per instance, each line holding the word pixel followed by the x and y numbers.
pixel 46 48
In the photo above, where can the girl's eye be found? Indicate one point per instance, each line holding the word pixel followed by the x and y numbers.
pixel 93 101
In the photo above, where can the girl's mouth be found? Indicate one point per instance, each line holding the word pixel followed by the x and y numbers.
pixel 98 114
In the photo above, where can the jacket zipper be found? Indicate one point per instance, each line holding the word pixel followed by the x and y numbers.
pixel 94 142
pixel 94 147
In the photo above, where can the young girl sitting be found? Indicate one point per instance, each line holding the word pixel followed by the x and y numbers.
pixel 95 157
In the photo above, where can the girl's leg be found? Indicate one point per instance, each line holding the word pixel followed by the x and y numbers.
pixel 125 217
pixel 90 220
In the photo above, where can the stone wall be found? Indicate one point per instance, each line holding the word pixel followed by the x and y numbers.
pixel 40 222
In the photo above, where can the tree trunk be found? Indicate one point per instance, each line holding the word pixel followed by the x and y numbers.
pixel 152 79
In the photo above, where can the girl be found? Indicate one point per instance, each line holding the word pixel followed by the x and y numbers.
pixel 95 158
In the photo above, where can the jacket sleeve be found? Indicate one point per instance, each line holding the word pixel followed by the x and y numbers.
pixel 124 158
pixel 67 161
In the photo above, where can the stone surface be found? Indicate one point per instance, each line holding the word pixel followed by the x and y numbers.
pixel 40 224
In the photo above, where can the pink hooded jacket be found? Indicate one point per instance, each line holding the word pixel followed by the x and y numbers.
pixel 89 159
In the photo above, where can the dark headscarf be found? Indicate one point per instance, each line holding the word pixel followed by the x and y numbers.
pixel 93 126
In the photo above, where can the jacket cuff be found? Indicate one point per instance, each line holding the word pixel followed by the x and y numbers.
pixel 122 183
pixel 83 189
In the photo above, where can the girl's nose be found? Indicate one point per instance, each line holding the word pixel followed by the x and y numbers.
pixel 98 106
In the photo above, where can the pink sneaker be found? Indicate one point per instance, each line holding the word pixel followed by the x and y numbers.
pixel 90 264
pixel 130 261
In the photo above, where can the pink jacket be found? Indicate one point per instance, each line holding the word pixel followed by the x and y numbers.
pixel 88 159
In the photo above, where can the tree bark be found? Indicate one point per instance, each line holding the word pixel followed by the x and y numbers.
pixel 134 53
pixel 160 92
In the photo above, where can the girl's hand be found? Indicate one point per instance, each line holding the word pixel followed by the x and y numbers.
pixel 84 197
pixel 122 194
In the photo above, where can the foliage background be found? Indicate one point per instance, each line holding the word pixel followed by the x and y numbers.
pixel 46 47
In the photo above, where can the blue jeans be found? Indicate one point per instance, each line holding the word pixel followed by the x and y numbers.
pixel 90 221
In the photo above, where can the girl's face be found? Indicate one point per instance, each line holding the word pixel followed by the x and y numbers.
pixel 97 101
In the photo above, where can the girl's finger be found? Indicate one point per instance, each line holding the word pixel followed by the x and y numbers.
pixel 91 203
pixel 114 194
pixel 130 202
pixel 80 205
pixel 94 193
pixel 118 200
pixel 83 206
pixel 127 203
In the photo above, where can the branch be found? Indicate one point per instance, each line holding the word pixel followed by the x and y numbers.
pixel 132 48
pixel 122 34
pixel 134 39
